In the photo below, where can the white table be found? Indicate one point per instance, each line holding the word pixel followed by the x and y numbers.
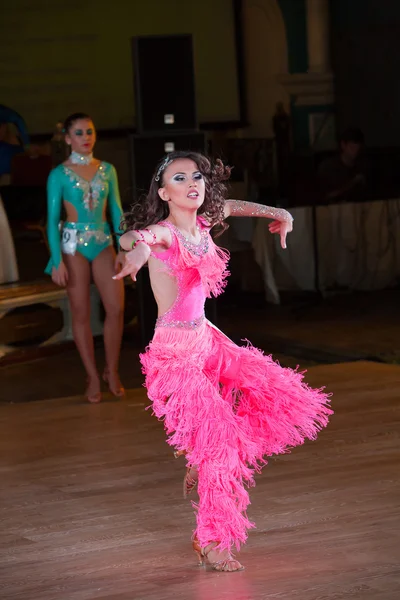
pixel 8 261
pixel 358 249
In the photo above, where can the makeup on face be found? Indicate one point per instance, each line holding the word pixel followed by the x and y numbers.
pixel 181 177
pixel 82 136
pixel 81 132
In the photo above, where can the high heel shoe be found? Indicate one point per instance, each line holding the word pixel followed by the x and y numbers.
pixel 92 398
pixel 116 390
pixel 228 564
pixel 189 482
pixel 179 453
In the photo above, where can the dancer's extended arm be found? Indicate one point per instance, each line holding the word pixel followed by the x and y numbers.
pixel 282 223
pixel 137 244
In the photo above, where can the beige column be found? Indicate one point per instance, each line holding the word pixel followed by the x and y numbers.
pixel 318 36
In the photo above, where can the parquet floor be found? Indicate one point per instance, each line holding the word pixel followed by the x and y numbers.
pixel 91 507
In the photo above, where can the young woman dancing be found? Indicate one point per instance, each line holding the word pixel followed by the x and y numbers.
pixel 225 407
pixel 83 186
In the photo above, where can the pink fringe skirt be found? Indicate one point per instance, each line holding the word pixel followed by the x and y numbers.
pixel 228 407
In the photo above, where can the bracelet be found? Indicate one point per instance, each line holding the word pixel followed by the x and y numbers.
pixel 154 236
pixel 140 232
pixel 135 242
pixel 142 238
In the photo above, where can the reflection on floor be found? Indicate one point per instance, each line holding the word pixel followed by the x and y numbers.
pixel 92 509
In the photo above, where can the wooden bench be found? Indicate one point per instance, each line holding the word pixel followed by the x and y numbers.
pixel 19 295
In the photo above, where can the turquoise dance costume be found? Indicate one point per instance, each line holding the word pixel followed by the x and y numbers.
pixel 90 235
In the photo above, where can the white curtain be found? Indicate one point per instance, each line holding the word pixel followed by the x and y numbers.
pixel 8 261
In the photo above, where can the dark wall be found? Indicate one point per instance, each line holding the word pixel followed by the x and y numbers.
pixel 366 61
pixel 58 57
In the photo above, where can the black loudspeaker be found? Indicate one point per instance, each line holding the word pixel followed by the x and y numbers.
pixel 147 150
pixel 164 83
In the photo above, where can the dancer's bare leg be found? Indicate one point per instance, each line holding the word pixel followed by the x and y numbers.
pixel 78 290
pixel 112 295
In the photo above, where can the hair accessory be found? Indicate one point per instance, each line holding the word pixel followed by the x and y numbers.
pixel 167 160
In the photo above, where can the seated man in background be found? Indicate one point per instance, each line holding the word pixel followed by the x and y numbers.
pixel 342 177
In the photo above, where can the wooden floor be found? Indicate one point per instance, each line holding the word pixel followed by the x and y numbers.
pixel 90 504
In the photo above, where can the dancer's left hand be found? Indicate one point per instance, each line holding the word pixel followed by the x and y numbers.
pixel 282 228
pixel 119 262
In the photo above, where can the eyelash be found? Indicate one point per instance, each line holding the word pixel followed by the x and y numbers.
pixel 79 133
pixel 180 178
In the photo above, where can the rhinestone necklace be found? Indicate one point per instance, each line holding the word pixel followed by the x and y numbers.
pixel 80 159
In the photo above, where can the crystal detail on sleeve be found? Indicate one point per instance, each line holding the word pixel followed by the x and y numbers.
pixel 252 209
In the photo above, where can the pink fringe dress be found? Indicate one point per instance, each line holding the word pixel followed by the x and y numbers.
pixel 228 407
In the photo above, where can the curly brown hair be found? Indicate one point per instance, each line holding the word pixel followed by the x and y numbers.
pixel 151 209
